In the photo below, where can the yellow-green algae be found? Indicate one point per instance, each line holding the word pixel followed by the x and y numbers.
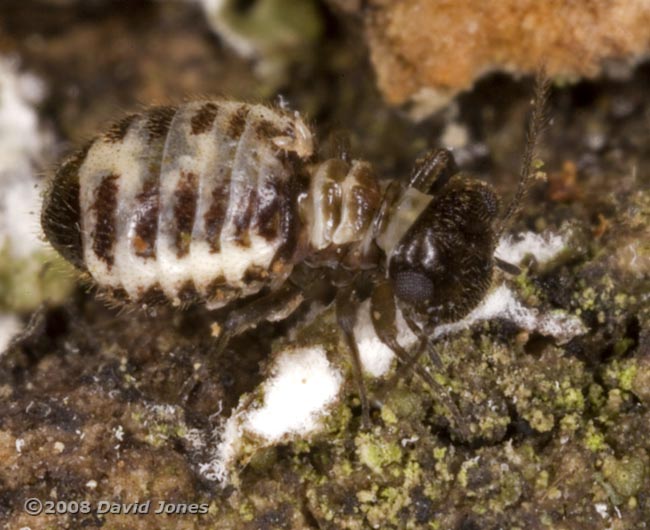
pixel 29 281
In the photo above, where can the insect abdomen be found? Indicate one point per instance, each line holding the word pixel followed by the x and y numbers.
pixel 195 201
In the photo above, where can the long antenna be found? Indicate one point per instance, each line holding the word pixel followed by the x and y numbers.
pixel 536 126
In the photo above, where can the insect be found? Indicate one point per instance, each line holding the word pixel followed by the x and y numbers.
pixel 217 201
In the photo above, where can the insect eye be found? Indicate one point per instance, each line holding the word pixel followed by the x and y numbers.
pixel 413 287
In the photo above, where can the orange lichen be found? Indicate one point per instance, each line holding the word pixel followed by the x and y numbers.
pixel 431 49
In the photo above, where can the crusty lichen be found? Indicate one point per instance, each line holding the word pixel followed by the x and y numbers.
pixel 428 51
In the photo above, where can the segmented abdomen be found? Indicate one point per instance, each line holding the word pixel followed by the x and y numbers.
pixel 195 201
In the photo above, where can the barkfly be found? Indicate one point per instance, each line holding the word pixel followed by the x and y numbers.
pixel 217 201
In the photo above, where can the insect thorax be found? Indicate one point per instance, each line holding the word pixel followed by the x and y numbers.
pixel 338 210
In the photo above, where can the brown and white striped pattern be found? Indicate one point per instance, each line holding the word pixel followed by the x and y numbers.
pixel 343 199
pixel 201 202
pixel 192 201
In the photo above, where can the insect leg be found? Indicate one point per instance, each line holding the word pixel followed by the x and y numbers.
pixel 342 146
pixel 346 315
pixel 506 266
pixel 337 145
pixel 383 315
pixel 276 305
pixel 433 171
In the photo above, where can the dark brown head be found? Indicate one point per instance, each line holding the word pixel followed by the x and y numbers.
pixel 442 266
pixel 60 215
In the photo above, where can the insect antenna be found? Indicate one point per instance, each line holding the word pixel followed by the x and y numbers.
pixel 536 125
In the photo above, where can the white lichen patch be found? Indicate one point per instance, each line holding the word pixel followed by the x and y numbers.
pixel 376 357
pixel 195 439
pixel 543 247
pixel 24 149
pixel 303 382
pixel 601 508
pixel 294 401
pixel 22 146
pixel 502 303
pixel 10 326
pixel 20 136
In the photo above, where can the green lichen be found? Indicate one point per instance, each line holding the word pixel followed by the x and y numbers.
pixel 387 506
pixel 367 496
pixel 264 459
pixel 569 424
pixel 626 475
pixel 511 489
pixel 439 453
pixel 542 480
pixel 570 399
pixel 527 289
pixel 27 282
pixel 596 395
pixel 375 452
pixel 462 474
pixel 641 382
pixel 388 415
pixel 626 378
pixel 594 439
pixel 614 404
pixel 246 511
pixel 621 373
pixel 156 426
pixel 540 421
pixel 404 403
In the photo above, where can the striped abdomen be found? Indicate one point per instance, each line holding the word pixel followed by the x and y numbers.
pixel 189 202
